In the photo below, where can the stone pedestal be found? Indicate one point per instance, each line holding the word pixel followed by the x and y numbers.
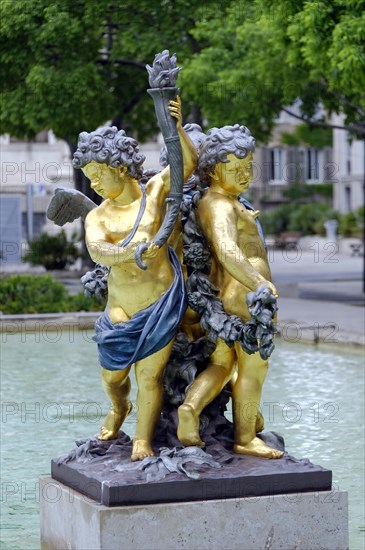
pixel 302 520
pixel 96 474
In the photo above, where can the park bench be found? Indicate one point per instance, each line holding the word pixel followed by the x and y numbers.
pixel 287 239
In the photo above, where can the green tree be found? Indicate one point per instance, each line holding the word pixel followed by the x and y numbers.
pixel 72 65
pixel 260 56
pixel 308 135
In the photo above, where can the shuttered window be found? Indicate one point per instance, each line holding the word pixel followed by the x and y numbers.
pixel 10 229
pixel 277 165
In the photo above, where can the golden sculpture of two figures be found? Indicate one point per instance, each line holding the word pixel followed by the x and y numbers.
pixel 185 261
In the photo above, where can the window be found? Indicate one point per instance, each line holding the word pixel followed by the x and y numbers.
pixel 348 155
pixel 348 198
pixel 39 221
pixel 312 165
pixel 277 160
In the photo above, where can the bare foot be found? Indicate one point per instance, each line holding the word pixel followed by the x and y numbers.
pixel 113 422
pixel 188 427
pixel 259 422
pixel 257 447
pixel 141 449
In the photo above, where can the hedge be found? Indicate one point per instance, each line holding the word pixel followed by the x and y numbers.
pixel 41 294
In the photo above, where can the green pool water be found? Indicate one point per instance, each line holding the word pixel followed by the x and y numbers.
pixel 51 396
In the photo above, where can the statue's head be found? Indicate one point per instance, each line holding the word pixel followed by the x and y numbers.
pixel 110 146
pixel 235 141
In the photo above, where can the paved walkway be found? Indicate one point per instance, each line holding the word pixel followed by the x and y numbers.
pixel 320 297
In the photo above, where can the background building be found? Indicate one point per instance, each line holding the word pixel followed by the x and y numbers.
pixel 31 171
pixel 279 165
pixel 349 183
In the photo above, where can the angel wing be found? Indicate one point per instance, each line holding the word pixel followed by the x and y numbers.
pixel 67 205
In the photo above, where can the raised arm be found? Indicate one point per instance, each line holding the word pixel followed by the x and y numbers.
pixel 188 149
pixel 221 222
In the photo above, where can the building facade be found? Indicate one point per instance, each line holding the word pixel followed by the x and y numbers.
pixel 349 181
pixel 31 171
pixel 277 165
pixel 30 174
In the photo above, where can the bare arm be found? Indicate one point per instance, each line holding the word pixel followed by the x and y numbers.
pixel 188 150
pixel 103 252
pixel 221 220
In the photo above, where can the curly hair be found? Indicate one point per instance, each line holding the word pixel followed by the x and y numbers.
pixel 220 142
pixel 110 146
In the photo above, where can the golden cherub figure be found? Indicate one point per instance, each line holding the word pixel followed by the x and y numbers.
pixel 239 266
pixel 144 308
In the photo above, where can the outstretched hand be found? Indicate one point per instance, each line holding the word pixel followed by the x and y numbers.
pixel 175 111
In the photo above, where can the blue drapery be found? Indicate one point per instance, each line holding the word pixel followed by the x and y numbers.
pixel 147 332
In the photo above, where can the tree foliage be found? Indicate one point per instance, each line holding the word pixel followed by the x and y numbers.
pixel 72 65
pixel 352 223
pixel 53 251
pixel 303 134
pixel 305 218
pixel 261 56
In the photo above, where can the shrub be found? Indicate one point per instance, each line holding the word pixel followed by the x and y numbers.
pixel 309 218
pixel 277 221
pixel 31 294
pixel 52 251
pixel 41 294
pixel 352 223
pixel 80 302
